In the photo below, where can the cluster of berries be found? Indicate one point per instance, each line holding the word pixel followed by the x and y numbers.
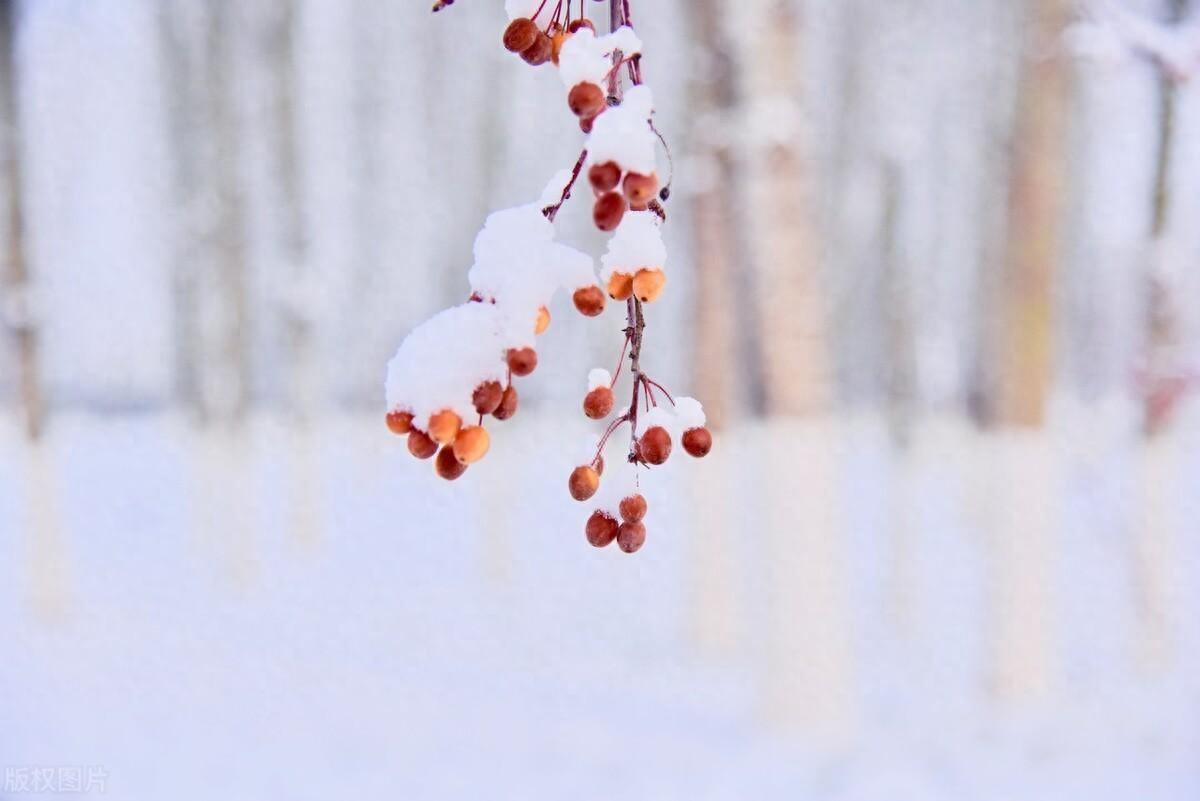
pixel 535 46
pixel 618 191
pixel 635 261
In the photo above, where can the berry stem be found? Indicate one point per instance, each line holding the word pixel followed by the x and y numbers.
pixel 552 211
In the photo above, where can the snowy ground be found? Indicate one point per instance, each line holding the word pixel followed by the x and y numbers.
pixel 267 615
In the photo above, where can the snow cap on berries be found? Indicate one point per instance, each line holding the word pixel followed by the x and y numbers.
pixel 689 413
pixel 637 244
pixel 622 134
pixel 599 377
pixel 586 57
pixel 620 481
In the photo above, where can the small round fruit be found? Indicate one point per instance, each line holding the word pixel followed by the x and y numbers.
pixel 648 284
pixel 609 211
pixel 640 189
pixel 444 427
pixel 508 404
pixel 557 40
pixel 598 403
pixel 586 99
pixel 601 529
pixel 633 508
pixel 631 537
pixel 420 445
pixel 604 177
pixel 520 34
pixel 583 483
pixel 447 466
pixel 399 422
pixel 472 444
pixel 581 23
pixel 486 397
pixel 655 445
pixel 589 300
pixel 620 286
pixel 538 53
pixel 522 361
pixel 697 442
pixel 543 321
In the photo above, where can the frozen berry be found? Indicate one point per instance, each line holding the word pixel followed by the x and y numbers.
pixel 598 403
pixel 447 466
pixel 583 483
pixel 557 39
pixel 522 361
pixel 581 23
pixel 520 34
pixel 697 441
pixel 655 445
pixel 539 52
pixel 604 177
pixel 631 537
pixel 601 529
pixel 399 422
pixel 444 426
pixel 620 286
pixel 543 321
pixel 640 189
pixel 589 300
pixel 586 99
pixel 508 404
pixel 633 508
pixel 608 211
pixel 472 444
pixel 648 284
pixel 420 445
pixel 487 396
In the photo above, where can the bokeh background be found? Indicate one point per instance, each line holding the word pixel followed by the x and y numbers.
pixel 933 272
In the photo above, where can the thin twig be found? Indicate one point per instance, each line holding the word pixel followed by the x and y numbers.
pixel 552 211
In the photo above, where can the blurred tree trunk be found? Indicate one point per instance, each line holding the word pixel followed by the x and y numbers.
pixel 18 309
pixel 1035 202
pixel 788 287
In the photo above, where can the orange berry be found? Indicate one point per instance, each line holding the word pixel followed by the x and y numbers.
pixel 589 300
pixel 447 466
pixel 640 189
pixel 444 427
pixel 648 284
pixel 399 422
pixel 631 537
pixel 697 441
pixel 586 99
pixel 520 34
pixel 556 42
pixel 508 404
pixel 420 445
pixel 620 286
pixel 472 444
pixel 487 396
pixel 601 529
pixel 604 177
pixel 609 211
pixel 538 53
pixel 598 403
pixel 633 508
pixel 543 321
pixel 522 361
pixel 655 445
pixel 583 483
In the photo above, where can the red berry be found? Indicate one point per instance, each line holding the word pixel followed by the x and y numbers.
pixel 631 537
pixel 589 300
pixel 697 442
pixel 581 23
pixel 541 51
pixel 486 397
pixel 420 445
pixel 583 483
pixel 655 445
pixel 598 403
pixel 522 361
pixel 601 529
pixel 508 404
pixel 586 99
pixel 447 465
pixel 633 508
pixel 608 211
pixel 604 177
pixel 399 422
pixel 520 34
